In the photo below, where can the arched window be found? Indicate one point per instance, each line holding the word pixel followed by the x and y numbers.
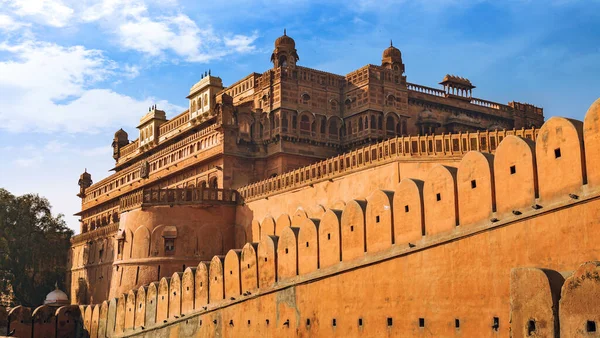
pixel 373 122
pixel 360 124
pixel 202 184
pixel 305 98
pixel 349 131
pixel 213 183
pixel 206 99
pixel 304 123
pixel 389 124
pixel 284 122
pixel 333 105
pixel 323 124
pixel 333 128
pixel 348 103
pixel 294 122
pixel 283 61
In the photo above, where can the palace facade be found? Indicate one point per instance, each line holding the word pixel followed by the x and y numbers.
pixel 174 198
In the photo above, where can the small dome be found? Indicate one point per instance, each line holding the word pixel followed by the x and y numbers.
pixel 392 52
pixel 285 40
pixel 121 133
pixel 56 298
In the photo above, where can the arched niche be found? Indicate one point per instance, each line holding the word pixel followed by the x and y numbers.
pixel 232 281
pixel 560 159
pixel 408 211
pixel 201 285
pixel 287 254
pixel 515 177
pixel 215 275
pixel 439 199
pixel 330 241
pixel 267 261
pixel 353 230
pixel 249 267
pixel 475 180
pixel 379 221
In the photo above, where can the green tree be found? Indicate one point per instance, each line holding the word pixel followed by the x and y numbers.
pixel 34 246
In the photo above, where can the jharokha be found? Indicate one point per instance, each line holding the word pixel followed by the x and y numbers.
pixel 297 202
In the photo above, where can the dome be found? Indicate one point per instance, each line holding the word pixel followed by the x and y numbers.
pixel 285 40
pixel 121 133
pixel 56 298
pixel 392 52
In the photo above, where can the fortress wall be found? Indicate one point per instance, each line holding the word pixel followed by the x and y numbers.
pixel 331 194
pixel 199 233
pixel 486 278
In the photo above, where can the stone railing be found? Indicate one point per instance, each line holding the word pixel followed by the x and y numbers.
pixel 380 153
pixel 174 123
pixel 178 196
pixel 425 89
pixel 99 232
pixel 130 148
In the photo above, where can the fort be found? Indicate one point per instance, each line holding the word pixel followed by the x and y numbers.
pixel 302 203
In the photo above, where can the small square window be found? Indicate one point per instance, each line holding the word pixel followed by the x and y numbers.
pixel 307 321
pixel 307 244
pixel 169 245
pixel 496 324
pixel 333 322
pixel 513 169
pixel 286 250
pixel 590 326
pixel 438 196
pixel 328 236
pixel 390 321
pixel 406 208
pixel 421 322
pixel 473 184
pixel 530 327
pixel 557 153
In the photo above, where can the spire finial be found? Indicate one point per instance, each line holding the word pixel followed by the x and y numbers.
pixel 284 32
pixel 56 285
pixel 391 45
pixel 85 170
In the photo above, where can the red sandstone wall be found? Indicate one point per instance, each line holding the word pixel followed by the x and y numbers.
pixel 379 285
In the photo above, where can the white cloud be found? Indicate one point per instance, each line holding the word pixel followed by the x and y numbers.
pixel 47 87
pixel 9 24
pixel 48 12
pixel 241 43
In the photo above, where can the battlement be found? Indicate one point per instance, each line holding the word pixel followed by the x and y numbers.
pixel 524 186
pixel 445 145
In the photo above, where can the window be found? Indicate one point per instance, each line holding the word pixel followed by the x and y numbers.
pixel 304 123
pixel 305 98
pixel 169 246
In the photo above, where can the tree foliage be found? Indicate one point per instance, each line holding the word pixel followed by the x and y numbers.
pixel 34 246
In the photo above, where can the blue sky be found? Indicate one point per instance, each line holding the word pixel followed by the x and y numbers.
pixel 72 72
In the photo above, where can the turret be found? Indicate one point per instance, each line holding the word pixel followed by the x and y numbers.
pixel 285 54
pixel 149 125
pixel 392 58
pixel 85 181
pixel 202 96
pixel 119 141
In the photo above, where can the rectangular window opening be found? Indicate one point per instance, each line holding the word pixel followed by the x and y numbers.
pixel 590 326
pixel 390 321
pixel 352 228
pixel 376 219
pixel 286 250
pixel 438 196
pixel 513 169
pixel 457 323
pixel 421 322
pixel 496 324
pixel 557 153
pixel 406 208
pixel 360 322
pixel 530 327
pixel 328 236
pixel 307 321
pixel 333 322
pixel 473 184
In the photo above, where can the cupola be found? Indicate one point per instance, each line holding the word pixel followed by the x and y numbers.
pixel 285 53
pixel 392 58
pixel 57 298
pixel 85 181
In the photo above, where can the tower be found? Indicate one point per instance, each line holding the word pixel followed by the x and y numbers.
pixel 392 58
pixel 149 125
pixel 202 97
pixel 85 181
pixel 285 54
pixel 120 140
